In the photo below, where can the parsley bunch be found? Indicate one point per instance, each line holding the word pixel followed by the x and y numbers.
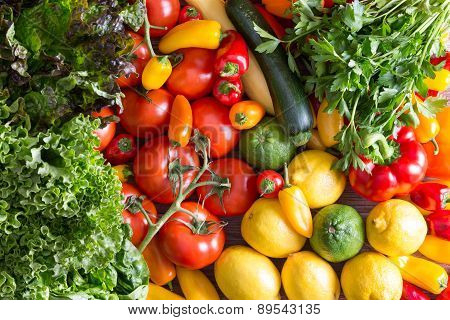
pixel 367 59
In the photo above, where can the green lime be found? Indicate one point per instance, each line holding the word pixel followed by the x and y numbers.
pixel 266 146
pixel 338 233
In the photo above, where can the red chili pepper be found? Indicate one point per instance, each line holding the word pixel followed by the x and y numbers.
pixel 437 60
pixel 431 196
pixel 277 28
pixel 444 295
pixel 411 292
pixel 189 13
pixel 382 182
pixel 439 224
pixel 121 149
pixel 227 91
pixel 269 183
pixel 232 59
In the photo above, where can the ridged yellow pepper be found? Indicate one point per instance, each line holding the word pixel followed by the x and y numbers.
pixel 195 285
pixel 156 292
pixel 192 34
pixel 436 249
pixel 328 124
pixel 440 82
pixel 156 72
pixel 423 273
pixel 314 142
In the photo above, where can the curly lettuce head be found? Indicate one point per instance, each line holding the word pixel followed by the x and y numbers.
pixel 61 230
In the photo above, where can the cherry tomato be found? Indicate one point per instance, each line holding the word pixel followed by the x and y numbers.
pixel 121 149
pixel 148 116
pixel 151 168
pixel 133 79
pixel 162 13
pixel 137 220
pixel 107 130
pixel 242 194
pixel 269 183
pixel 197 248
pixel 211 118
pixel 194 76
pixel 189 13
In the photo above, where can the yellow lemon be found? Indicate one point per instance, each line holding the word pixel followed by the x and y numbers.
pixel 371 276
pixel 306 276
pixel 266 229
pixel 244 274
pixel 312 172
pixel 396 228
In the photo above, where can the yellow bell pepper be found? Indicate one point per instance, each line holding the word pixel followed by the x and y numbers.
pixel 428 128
pixel 328 124
pixel 423 273
pixel 156 72
pixel 156 292
pixel 436 249
pixel 295 207
pixel 123 172
pixel 440 82
pixel 192 34
pixel 195 285
pixel 314 142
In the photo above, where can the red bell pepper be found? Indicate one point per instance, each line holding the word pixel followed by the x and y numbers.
pixel 228 92
pixel 431 196
pixel 189 13
pixel 232 58
pixel 437 60
pixel 411 292
pixel 121 149
pixel 444 295
pixel 277 28
pixel 380 182
pixel 439 224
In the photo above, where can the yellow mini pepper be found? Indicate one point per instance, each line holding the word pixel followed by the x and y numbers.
pixel 156 292
pixel 123 172
pixel 192 34
pixel 156 72
pixel 428 128
pixel 440 82
pixel 195 285
pixel 423 273
pixel 436 249
pixel 328 124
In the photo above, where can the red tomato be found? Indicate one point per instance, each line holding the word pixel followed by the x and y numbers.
pixel 162 13
pixel 188 249
pixel 151 168
pixel 242 194
pixel 133 79
pixel 269 183
pixel 121 149
pixel 140 49
pixel 137 221
pixel 189 13
pixel 107 132
pixel 194 76
pixel 143 117
pixel 212 119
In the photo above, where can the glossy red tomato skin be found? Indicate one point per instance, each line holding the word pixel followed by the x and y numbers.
pixel 145 118
pixel 162 13
pixel 133 79
pixel 140 49
pixel 151 168
pixel 272 176
pixel 212 119
pixel 194 76
pixel 107 133
pixel 243 190
pixel 189 250
pixel 129 190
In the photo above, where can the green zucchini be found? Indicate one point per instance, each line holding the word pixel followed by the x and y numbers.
pixel 291 104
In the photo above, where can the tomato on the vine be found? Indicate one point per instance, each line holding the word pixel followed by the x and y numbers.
pixel 269 183
pixel 242 194
pixel 140 49
pixel 151 168
pixel 161 13
pixel 194 76
pixel 146 116
pixel 211 118
pixel 107 129
pixel 189 242
pixel 133 79
pixel 189 13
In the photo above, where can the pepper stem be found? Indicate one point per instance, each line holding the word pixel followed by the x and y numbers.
pixel 436 146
